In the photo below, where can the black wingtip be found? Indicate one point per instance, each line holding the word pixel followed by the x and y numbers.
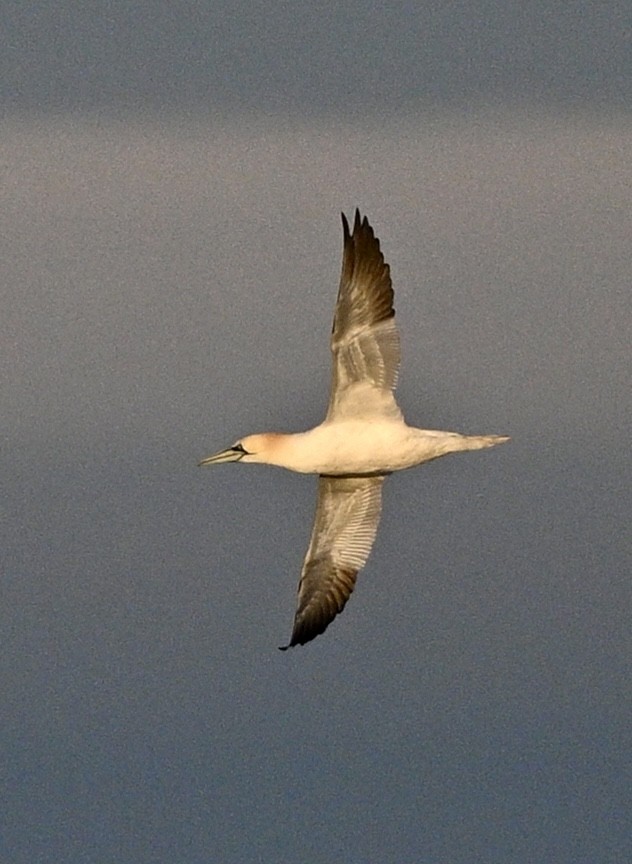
pixel 285 647
pixel 345 226
pixel 358 223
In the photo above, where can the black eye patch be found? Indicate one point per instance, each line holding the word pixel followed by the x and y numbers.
pixel 238 448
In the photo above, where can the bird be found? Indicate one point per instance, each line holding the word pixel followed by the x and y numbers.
pixel 362 440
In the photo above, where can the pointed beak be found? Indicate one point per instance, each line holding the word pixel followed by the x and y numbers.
pixel 228 455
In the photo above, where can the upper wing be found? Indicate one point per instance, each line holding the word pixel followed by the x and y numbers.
pixel 365 340
pixel 347 516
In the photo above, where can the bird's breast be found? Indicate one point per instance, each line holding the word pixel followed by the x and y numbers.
pixel 352 447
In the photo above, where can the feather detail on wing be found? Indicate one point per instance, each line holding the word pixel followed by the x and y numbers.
pixel 347 516
pixel 365 339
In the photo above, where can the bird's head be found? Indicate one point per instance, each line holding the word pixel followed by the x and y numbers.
pixel 252 448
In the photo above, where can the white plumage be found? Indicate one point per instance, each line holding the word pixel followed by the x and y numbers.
pixel 363 438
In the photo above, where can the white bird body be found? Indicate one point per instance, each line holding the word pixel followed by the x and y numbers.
pixel 363 438
pixel 358 447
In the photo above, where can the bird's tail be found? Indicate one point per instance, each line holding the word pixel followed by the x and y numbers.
pixel 480 442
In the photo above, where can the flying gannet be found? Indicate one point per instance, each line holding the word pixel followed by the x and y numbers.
pixel 362 439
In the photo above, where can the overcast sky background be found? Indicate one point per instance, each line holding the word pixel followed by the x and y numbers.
pixel 172 178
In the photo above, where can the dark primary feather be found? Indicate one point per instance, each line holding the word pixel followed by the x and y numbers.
pixel 365 295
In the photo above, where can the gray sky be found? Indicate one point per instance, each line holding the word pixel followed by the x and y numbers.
pixel 340 59
pixel 171 186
